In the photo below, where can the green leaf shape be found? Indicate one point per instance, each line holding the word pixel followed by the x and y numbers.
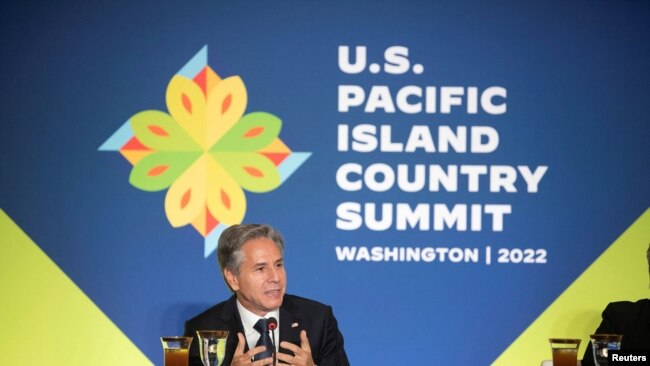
pixel 252 132
pixel 159 131
pixel 159 170
pixel 252 171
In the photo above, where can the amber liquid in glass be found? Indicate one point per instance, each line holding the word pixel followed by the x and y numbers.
pixel 176 357
pixel 565 357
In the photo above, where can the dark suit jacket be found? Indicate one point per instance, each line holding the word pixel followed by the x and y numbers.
pixel 631 319
pixel 296 314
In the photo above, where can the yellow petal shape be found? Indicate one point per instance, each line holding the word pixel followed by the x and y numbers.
pixel 186 197
pixel 226 104
pixel 186 103
pixel 226 200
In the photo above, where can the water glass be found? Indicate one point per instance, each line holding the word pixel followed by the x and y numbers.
pixel 212 346
pixel 565 351
pixel 176 350
pixel 601 344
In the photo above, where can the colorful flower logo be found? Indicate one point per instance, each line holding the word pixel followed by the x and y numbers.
pixel 205 151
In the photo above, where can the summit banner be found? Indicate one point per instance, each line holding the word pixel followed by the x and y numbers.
pixel 443 172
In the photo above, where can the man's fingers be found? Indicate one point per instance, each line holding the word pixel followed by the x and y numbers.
pixel 302 353
pixel 304 342
pixel 240 345
pixel 301 357
pixel 264 361
pixel 285 357
pixel 290 346
pixel 245 358
pixel 259 349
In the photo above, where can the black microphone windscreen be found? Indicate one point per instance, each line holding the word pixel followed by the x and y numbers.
pixel 273 323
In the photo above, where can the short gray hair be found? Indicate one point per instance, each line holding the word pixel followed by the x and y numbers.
pixel 229 253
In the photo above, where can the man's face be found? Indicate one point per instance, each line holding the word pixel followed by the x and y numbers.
pixel 261 281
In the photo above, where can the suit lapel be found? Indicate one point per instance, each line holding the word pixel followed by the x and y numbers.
pixel 230 316
pixel 290 324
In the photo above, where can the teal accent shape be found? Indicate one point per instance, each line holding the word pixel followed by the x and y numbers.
pixel 196 64
pixel 291 164
pixel 119 138
pixel 212 240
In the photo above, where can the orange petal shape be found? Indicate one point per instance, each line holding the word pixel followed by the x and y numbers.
pixel 186 198
pixel 226 103
pixel 225 199
pixel 254 132
pixel 158 170
pixel 252 171
pixel 158 130
pixel 187 103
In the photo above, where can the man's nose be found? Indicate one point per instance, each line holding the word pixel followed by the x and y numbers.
pixel 274 274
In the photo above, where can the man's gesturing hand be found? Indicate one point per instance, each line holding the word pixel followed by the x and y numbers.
pixel 302 354
pixel 244 359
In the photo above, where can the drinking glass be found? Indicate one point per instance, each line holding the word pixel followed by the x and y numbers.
pixel 565 351
pixel 212 346
pixel 601 344
pixel 176 350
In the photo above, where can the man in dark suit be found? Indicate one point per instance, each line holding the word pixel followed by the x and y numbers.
pixel 631 319
pixel 251 262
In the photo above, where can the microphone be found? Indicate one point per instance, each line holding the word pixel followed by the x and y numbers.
pixel 273 325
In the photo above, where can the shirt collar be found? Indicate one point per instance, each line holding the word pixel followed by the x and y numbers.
pixel 248 318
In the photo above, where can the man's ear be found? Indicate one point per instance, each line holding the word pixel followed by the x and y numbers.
pixel 232 279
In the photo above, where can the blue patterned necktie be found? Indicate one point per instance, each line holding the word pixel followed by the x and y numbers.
pixel 262 326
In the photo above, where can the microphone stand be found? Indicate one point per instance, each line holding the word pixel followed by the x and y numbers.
pixel 275 350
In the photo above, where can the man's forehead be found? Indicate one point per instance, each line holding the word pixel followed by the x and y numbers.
pixel 261 249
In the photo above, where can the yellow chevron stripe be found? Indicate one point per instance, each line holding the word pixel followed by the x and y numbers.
pixel 620 273
pixel 45 318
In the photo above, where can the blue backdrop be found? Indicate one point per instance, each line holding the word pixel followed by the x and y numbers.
pixel 574 78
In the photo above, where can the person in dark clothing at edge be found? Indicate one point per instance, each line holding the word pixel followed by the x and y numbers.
pixel 630 319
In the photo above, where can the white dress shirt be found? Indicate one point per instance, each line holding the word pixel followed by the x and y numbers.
pixel 249 319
